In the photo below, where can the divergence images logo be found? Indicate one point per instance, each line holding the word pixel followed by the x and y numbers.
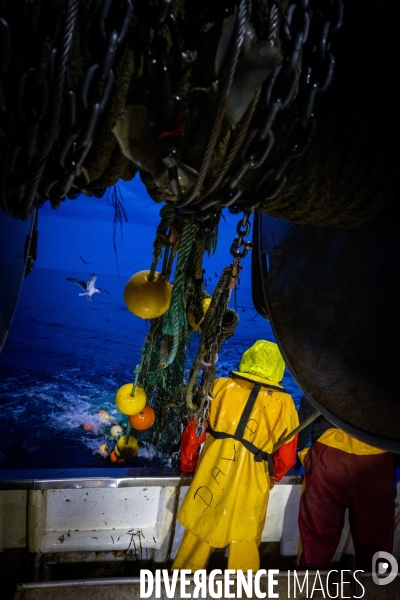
pixel 381 573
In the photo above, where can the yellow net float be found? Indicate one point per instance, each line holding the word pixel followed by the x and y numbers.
pixel 196 325
pixel 128 404
pixel 148 299
pixel 126 448
pixel 104 450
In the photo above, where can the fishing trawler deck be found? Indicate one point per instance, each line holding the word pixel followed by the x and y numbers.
pixel 90 531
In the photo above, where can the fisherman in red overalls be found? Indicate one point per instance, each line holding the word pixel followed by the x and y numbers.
pixel 342 472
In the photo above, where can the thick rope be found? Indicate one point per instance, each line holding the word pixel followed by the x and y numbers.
pixel 207 327
pixel 226 87
pixel 177 321
pixel 167 217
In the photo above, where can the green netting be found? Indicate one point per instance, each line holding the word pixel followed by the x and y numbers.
pixel 163 369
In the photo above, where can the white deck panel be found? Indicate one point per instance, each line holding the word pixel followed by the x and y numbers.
pixel 107 519
pixel 141 519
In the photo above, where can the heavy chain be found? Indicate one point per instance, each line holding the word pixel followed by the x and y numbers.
pixel 305 72
pixel 85 107
pixel 239 249
pixel 52 126
pixel 48 142
pixel 28 68
pixel 209 362
pixel 315 78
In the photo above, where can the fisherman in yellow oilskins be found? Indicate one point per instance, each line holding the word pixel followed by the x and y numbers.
pixel 227 500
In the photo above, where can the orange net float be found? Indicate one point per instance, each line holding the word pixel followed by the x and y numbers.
pixel 115 459
pixel 144 419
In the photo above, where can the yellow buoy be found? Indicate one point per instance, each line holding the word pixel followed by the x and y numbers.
pixel 104 450
pixel 127 449
pixel 148 299
pixel 196 325
pixel 128 404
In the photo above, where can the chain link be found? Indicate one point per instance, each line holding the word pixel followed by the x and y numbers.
pixel 209 362
pixel 305 72
pixel 239 249
pixel 304 33
pixel 86 107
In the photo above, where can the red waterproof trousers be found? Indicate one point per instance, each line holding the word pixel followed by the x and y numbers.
pixel 336 480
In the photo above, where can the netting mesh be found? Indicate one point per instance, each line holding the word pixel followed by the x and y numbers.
pixel 164 366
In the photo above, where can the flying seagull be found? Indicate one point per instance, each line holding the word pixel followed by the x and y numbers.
pixel 84 261
pixel 88 287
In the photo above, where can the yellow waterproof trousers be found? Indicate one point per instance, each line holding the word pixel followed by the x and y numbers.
pixel 193 554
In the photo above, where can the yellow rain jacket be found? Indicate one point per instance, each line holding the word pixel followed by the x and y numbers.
pixel 228 497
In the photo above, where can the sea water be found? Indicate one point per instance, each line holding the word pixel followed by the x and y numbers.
pixel 65 358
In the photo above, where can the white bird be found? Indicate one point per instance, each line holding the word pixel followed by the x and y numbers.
pixel 88 287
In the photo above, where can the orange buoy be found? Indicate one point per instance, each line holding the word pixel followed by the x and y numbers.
pixel 88 427
pixel 144 419
pixel 103 415
pixel 114 458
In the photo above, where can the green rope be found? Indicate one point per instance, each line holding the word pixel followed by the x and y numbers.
pixel 177 321
pixel 127 432
pixel 137 372
pixel 153 269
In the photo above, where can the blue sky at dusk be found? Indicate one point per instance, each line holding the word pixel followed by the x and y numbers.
pixel 85 227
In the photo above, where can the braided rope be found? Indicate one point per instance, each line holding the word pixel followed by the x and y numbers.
pixel 221 107
pixel 198 259
pixel 237 144
pixel 167 217
pixel 209 319
pixel 177 320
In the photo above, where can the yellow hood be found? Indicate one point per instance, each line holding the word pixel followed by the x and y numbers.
pixel 264 360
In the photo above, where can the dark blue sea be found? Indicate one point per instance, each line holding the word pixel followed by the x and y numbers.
pixel 65 358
